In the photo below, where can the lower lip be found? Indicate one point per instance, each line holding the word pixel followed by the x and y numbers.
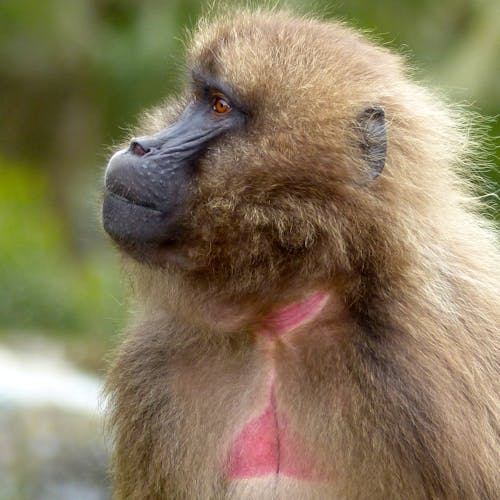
pixel 125 221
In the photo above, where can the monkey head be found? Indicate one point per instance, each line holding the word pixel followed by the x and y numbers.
pixel 267 168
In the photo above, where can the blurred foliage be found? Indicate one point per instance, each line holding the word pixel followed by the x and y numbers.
pixel 42 286
pixel 74 74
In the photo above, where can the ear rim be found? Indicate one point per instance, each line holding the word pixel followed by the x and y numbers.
pixel 374 138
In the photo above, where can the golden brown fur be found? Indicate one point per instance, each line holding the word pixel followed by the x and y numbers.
pixel 395 387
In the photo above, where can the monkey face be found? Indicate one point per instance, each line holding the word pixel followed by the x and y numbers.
pixel 147 184
pixel 252 175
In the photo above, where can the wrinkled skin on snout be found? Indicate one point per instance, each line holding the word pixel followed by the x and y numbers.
pixel 147 185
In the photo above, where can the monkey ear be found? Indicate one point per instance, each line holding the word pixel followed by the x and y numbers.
pixel 374 138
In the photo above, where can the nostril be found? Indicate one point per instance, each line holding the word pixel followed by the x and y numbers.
pixel 137 149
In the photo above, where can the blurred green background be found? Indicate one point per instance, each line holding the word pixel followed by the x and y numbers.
pixel 74 74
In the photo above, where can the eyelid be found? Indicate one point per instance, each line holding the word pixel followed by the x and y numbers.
pixel 217 93
pixel 210 93
pixel 207 91
pixel 206 84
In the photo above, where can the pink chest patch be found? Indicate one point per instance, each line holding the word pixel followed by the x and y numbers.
pixel 264 447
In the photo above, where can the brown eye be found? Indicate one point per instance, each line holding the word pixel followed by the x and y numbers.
pixel 220 105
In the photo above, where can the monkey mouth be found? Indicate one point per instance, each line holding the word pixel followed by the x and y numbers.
pixel 128 197
pixel 133 223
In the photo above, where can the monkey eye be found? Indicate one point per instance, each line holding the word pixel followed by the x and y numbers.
pixel 220 104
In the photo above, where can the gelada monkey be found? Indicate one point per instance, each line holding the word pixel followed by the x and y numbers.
pixel 316 295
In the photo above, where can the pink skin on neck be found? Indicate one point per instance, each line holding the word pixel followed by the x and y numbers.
pixel 264 446
pixel 294 315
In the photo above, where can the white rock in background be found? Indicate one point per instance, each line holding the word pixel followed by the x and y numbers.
pixel 44 379
pixel 52 439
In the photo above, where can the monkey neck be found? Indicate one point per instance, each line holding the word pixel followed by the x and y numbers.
pixel 264 445
pixel 294 315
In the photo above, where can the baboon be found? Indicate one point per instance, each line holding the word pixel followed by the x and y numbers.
pixel 315 285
